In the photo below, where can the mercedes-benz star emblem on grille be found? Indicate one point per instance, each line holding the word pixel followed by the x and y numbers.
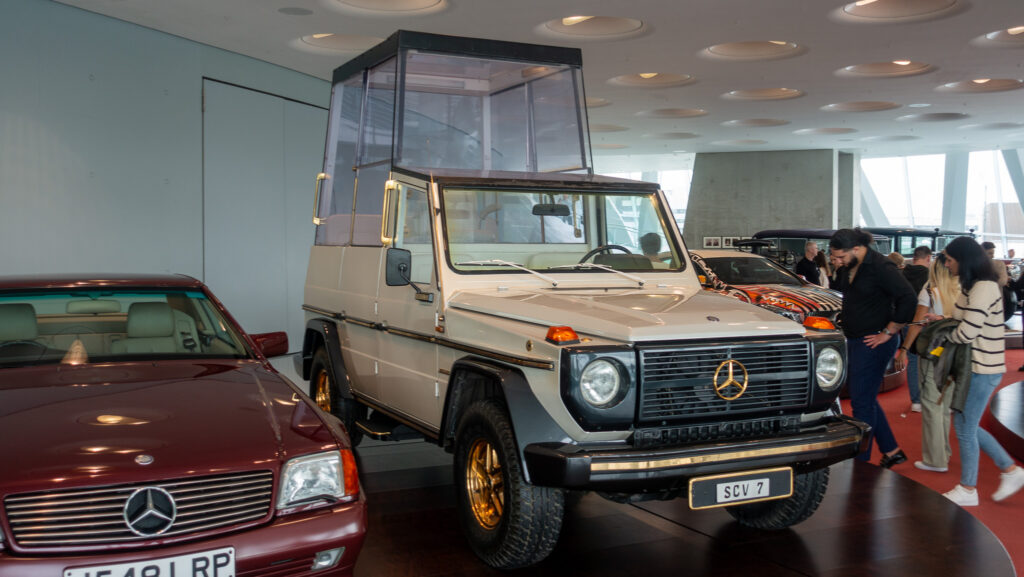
pixel 150 511
pixel 723 389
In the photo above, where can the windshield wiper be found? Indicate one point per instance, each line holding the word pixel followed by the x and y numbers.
pixel 509 264
pixel 589 265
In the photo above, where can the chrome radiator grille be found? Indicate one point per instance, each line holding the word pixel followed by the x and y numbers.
pixel 93 516
pixel 677 382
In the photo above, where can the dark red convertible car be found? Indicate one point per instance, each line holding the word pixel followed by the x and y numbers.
pixel 144 434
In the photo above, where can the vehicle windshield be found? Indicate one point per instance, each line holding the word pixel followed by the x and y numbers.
pixel 552 230
pixel 749 270
pixel 93 326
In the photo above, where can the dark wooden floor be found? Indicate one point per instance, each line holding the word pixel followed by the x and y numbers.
pixel 872 522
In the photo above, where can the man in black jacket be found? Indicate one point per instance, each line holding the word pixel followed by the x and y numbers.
pixel 877 303
pixel 916 272
pixel 806 266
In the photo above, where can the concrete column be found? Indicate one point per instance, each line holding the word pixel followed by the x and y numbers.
pixel 848 188
pixel 954 193
pixel 1015 166
pixel 740 193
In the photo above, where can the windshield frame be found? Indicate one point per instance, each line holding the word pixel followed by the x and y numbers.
pixel 589 195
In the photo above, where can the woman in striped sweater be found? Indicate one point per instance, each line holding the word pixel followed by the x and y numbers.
pixel 979 308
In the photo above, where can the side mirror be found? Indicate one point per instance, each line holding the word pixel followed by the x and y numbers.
pixel 398 267
pixel 271 344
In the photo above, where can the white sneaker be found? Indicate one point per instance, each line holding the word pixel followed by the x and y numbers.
pixel 915 407
pixel 962 496
pixel 1009 484
pixel 926 467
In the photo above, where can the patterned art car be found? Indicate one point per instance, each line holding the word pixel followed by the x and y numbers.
pixel 145 434
pixel 763 282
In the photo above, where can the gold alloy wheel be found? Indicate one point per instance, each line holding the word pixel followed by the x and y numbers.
pixel 323 391
pixel 485 485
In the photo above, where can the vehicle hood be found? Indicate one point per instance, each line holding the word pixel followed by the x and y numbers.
pixel 630 315
pixel 805 299
pixel 64 426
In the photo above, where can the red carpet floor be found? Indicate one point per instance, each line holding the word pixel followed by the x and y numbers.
pixel 1005 519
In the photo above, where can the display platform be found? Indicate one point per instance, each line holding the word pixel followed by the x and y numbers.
pixel 871 522
pixel 1005 418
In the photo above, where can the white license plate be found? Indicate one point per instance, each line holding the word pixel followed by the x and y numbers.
pixel 743 490
pixel 215 563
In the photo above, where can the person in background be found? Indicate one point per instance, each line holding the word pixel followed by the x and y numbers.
pixel 877 303
pixel 897 258
pixel 1010 254
pixel 824 268
pixel 937 297
pixel 916 274
pixel 979 308
pixel 837 270
pixel 806 266
pixel 998 265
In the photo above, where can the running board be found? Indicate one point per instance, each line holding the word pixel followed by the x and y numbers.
pixel 384 428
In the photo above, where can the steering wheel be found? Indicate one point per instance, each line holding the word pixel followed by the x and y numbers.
pixel 31 344
pixel 604 248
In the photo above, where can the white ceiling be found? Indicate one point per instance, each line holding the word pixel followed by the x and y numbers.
pixel 672 40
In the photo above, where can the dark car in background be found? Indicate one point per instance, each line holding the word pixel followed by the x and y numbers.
pixel 145 434
pixel 786 245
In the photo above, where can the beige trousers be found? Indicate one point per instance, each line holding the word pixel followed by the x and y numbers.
pixel 935 419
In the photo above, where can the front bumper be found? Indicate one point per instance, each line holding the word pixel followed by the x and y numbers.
pixel 285 547
pixel 667 468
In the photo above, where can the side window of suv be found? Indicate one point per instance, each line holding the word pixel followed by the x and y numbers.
pixel 412 232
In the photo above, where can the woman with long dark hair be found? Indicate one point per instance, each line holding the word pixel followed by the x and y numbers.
pixel 979 308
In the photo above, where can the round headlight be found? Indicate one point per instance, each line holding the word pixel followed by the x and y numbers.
pixel 600 383
pixel 829 368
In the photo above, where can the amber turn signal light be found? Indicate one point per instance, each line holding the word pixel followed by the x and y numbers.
pixel 562 336
pixel 820 323
pixel 348 465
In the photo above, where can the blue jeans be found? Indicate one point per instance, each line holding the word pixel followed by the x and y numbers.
pixel 867 368
pixel 971 436
pixel 913 385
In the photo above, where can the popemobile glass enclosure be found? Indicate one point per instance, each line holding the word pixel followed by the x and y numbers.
pixel 427 102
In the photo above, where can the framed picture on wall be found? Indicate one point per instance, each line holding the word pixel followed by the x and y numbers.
pixel 712 242
pixel 730 241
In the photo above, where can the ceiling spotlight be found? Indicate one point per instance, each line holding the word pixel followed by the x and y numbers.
pixel 864 2
pixel 779 42
pixel 319 36
pixel 1016 30
pixel 573 20
pixel 647 75
pixel 981 80
pixel 902 62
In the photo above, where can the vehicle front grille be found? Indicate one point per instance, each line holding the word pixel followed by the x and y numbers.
pixel 677 383
pixel 747 428
pixel 85 517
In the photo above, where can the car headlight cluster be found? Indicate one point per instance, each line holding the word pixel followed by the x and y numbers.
pixel 327 477
pixel 601 383
pixel 828 368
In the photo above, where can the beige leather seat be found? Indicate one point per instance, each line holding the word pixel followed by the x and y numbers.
pixel 151 329
pixel 18 322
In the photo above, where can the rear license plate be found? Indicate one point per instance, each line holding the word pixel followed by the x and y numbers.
pixel 737 488
pixel 215 563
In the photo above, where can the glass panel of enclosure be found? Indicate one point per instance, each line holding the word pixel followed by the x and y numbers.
pixel 550 230
pixel 373 168
pixel 481 114
pixel 339 158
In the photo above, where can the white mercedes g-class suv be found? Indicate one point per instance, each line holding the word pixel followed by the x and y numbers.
pixel 474 283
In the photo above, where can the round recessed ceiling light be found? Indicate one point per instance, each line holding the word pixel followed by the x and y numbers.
pixel 1009 38
pixel 673 112
pixel 891 138
pixel 741 142
pixel 979 85
pixel 579 27
pixel 604 146
pixel 823 131
pixel 763 94
pixel 876 11
pixel 672 135
pixel 607 128
pixel 919 105
pixel 389 7
pixel 651 80
pixel 754 50
pixel 885 69
pixel 597 102
pixel 860 106
pixel 334 43
pixel 295 11
pixel 754 122
pixel 933 117
pixel 992 126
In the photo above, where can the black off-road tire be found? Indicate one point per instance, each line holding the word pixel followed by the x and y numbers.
pixel 514 524
pixel 808 490
pixel 323 389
